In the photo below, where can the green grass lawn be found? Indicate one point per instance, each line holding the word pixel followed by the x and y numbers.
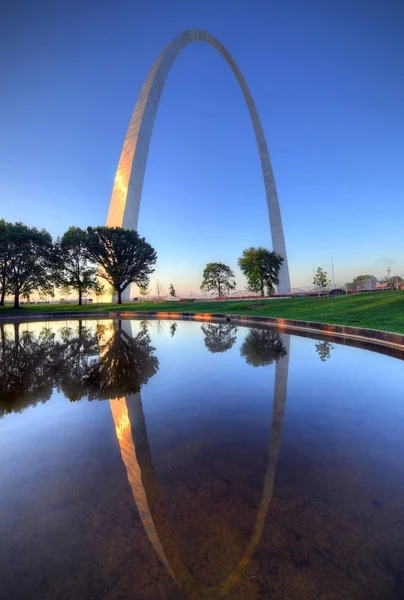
pixel 379 310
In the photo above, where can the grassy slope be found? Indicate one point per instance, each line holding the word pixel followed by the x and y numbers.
pixel 382 310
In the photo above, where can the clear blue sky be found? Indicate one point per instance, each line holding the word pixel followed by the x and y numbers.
pixel 327 78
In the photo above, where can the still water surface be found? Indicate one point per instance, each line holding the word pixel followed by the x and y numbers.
pixel 165 460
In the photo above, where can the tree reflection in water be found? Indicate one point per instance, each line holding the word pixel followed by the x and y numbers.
pixel 100 362
pixel 262 347
pixel 27 368
pixel 78 352
pixel 125 364
pixel 219 337
pixel 323 349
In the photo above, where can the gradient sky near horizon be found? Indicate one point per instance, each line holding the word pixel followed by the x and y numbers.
pixel 327 78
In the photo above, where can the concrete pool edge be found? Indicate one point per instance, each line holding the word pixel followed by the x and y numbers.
pixel 376 337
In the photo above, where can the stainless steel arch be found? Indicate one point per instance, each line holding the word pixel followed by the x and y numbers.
pixel 127 191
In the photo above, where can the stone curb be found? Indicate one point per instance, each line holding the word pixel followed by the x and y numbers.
pixel 368 335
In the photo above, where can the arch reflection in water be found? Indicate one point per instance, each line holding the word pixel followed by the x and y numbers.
pixel 130 425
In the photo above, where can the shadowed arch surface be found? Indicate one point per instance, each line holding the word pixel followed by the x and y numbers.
pixel 127 191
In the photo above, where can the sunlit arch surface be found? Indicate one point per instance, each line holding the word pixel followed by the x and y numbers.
pixel 131 432
pixel 127 191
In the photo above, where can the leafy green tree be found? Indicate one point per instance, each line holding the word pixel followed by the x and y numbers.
pixel 218 277
pixel 124 257
pixel 320 280
pixel 263 265
pixel 219 337
pixel 32 263
pixel 172 291
pixel 362 282
pixel 78 273
pixel 262 347
pixel 4 258
pixel 254 281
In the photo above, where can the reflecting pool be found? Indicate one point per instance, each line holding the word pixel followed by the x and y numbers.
pixel 201 460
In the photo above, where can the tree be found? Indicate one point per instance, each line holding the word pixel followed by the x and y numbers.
pixel 124 257
pixel 254 281
pixel 77 273
pixel 4 258
pixel 159 289
pixel 144 289
pixel 262 347
pixel 362 282
pixel 217 276
pixel 263 265
pixel 219 337
pixel 172 291
pixel 32 263
pixel 320 280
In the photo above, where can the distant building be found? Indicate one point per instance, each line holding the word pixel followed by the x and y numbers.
pixel 389 286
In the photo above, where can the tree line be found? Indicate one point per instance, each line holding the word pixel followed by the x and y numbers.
pixel 80 261
pixel 107 260
pixel 260 266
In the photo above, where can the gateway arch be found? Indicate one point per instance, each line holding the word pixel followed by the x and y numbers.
pixel 127 191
